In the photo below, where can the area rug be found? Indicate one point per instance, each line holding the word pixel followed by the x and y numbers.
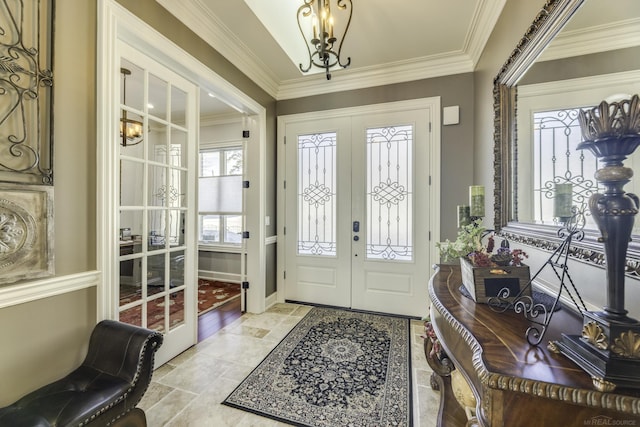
pixel 335 368
pixel 211 294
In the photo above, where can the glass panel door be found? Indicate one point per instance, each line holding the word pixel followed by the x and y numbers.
pixel 156 147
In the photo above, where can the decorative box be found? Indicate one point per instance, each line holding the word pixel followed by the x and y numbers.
pixel 486 282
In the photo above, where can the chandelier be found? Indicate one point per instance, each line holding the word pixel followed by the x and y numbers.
pixel 130 129
pixel 316 24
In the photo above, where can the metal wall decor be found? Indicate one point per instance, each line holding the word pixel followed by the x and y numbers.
pixel 26 232
pixel 318 28
pixel 26 94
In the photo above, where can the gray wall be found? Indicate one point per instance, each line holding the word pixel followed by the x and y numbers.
pixel 614 61
pixel 457 140
pixel 45 339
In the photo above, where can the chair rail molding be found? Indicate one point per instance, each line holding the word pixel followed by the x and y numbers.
pixel 35 290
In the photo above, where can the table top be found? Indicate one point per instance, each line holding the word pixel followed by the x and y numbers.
pixel 502 355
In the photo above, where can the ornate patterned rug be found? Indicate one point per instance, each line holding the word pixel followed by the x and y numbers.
pixel 335 368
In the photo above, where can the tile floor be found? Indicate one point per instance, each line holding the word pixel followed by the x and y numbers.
pixel 187 391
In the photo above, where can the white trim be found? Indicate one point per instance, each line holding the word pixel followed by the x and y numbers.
pixel 219 275
pixel 271 300
pixel 212 30
pixel 398 72
pixel 220 249
pixel 116 23
pixel 36 290
pixel 602 38
pixel 195 15
pixel 579 84
pixel 433 103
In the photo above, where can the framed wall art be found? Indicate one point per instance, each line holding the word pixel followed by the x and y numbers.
pixel 26 232
pixel 26 95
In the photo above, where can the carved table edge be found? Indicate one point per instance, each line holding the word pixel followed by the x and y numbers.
pixel 582 397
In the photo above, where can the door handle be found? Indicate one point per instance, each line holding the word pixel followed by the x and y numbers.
pixel 356 226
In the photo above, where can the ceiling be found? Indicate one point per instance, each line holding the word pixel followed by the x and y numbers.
pixel 388 41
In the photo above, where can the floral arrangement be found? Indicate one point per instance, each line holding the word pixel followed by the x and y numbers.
pixel 469 244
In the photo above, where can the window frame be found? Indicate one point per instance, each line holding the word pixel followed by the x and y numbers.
pixel 221 245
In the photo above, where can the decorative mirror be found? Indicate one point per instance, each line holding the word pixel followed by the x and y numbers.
pixel 574 55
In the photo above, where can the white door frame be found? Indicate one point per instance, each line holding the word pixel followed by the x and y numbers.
pixel 434 167
pixel 117 23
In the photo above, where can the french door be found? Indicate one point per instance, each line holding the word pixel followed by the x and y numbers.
pixel 358 211
pixel 156 210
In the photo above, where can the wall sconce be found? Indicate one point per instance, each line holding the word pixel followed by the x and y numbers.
pixel 130 130
pixel 316 24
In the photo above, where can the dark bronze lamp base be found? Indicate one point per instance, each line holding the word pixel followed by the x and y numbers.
pixel 608 350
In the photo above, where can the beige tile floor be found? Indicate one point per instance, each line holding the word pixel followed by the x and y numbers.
pixel 187 391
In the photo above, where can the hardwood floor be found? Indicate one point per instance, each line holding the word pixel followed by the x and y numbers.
pixel 212 321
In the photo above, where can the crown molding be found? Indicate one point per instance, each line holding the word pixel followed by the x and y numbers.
pixel 199 19
pixel 484 20
pixel 195 15
pixel 601 38
pixel 398 72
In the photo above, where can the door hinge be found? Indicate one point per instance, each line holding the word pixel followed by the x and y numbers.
pixel 245 184
pixel 245 234
pixel 285 140
pixel 285 231
pixel 429 126
pixel 429 235
pixel 284 184
pixel 429 179
pixel 246 133
pixel 245 285
pixel 285 274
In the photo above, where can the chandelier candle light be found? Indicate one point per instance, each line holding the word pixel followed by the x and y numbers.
pixel 318 28
pixel 609 346
pixel 476 201
pixel 130 129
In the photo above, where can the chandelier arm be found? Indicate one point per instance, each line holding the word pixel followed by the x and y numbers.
pixel 341 5
pixel 308 6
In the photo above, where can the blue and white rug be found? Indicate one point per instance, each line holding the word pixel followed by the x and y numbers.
pixel 335 368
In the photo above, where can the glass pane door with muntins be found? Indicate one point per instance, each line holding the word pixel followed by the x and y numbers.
pixel 157 264
pixel 359 211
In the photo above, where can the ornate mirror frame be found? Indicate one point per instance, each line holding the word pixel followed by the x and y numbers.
pixel 549 21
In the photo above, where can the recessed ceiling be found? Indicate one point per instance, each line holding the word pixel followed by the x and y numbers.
pixel 388 41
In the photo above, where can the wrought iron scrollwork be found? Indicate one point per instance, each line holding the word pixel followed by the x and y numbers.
pixel 26 81
pixel 538 314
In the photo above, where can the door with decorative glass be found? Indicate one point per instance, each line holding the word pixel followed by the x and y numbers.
pixel 157 174
pixel 358 211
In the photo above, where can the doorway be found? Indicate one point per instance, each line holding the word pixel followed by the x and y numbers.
pixel 360 200
pixel 119 30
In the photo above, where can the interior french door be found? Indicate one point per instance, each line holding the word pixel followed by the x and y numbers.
pixel 357 211
pixel 156 208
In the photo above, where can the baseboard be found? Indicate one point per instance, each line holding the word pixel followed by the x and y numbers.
pixel 271 300
pixel 222 277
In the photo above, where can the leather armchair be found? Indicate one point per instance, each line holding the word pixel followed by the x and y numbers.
pixel 103 391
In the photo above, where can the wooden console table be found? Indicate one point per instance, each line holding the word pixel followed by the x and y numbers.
pixel 514 383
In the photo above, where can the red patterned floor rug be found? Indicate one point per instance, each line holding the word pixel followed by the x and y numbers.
pixel 211 294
